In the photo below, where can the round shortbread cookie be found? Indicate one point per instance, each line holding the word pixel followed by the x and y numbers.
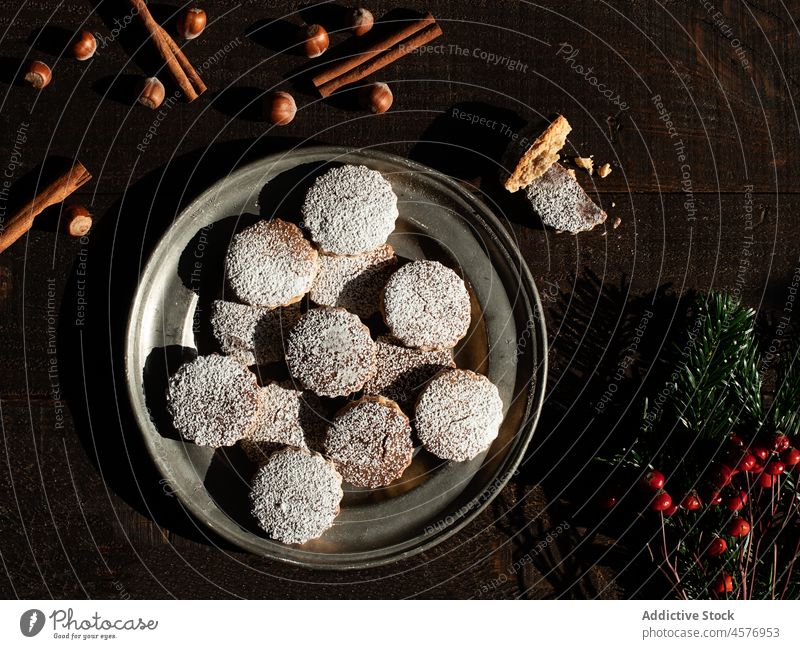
pixel 213 400
pixel 354 283
pixel 252 334
pixel 330 352
pixel 426 305
pixel 458 414
pixel 370 442
pixel 350 210
pixel 296 495
pixel 271 264
pixel 402 372
pixel 288 417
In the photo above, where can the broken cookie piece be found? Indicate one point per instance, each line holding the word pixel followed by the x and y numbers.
pixel 604 170
pixel 561 203
pixel 540 156
pixel 585 163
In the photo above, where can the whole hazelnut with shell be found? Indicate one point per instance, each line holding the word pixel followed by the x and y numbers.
pixel 315 40
pixel 191 23
pixel 38 74
pixel 279 108
pixel 360 21
pixel 152 93
pixel 84 46
pixel 376 97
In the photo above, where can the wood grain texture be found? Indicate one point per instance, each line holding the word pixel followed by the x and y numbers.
pixel 710 203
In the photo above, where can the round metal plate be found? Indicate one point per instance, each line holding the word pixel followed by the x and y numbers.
pixel 438 220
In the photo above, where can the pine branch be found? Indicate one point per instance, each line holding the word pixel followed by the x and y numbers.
pixel 717 368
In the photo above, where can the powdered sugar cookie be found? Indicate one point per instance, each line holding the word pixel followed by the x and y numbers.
pixel 296 495
pixel 271 264
pixel 370 442
pixel 458 415
pixel 252 334
pixel 354 282
pixel 402 372
pixel 287 417
pixel 213 400
pixel 426 305
pixel 331 352
pixel 349 210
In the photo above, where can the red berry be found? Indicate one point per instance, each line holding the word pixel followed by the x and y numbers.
pixel 716 547
pixel 758 467
pixel 738 527
pixel 654 480
pixel 714 498
pixel 662 502
pixel 737 441
pixel 780 442
pixel 775 467
pixel 607 499
pixel 723 584
pixel 765 480
pixel 671 511
pixel 746 462
pixel 760 452
pixel 691 502
pixel 737 502
pixel 791 456
pixel 721 476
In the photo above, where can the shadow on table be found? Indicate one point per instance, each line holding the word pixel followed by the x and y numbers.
pixel 605 350
pixel 92 326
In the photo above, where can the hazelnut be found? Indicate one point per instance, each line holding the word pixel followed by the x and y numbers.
pixel 38 74
pixel 84 46
pixel 79 220
pixel 377 97
pixel 360 21
pixel 191 23
pixel 152 93
pixel 315 40
pixel 280 108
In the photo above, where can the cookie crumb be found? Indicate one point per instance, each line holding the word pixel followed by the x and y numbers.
pixel 617 222
pixel 585 163
pixel 604 170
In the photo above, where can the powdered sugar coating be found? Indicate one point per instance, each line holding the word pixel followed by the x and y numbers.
pixel 558 198
pixel 331 352
pixel 287 417
pixel 402 372
pixel 296 495
pixel 349 210
pixel 271 264
pixel 213 400
pixel 426 305
pixel 354 282
pixel 370 442
pixel 252 334
pixel 458 415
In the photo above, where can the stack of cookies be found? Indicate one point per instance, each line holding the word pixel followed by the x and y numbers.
pixel 369 355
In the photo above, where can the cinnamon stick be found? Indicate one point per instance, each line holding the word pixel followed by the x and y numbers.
pixel 177 63
pixel 383 59
pixel 345 65
pixel 188 69
pixel 52 194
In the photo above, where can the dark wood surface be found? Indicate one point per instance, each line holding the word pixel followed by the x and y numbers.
pixel 82 512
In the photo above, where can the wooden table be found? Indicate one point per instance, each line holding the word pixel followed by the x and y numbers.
pixel 692 103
